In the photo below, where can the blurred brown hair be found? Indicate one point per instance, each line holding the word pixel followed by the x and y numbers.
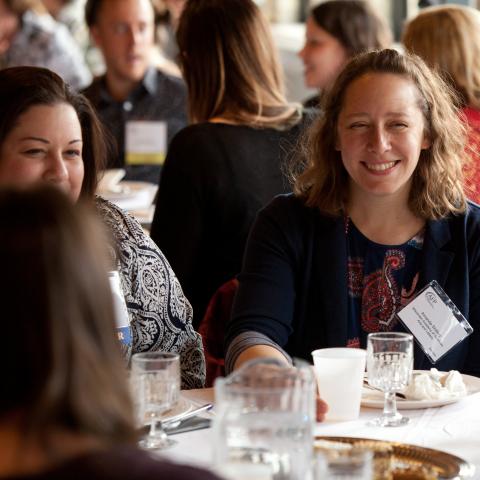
pixel 62 362
pixel 354 24
pixel 230 65
pixel 437 188
pixel 19 7
pixel 447 37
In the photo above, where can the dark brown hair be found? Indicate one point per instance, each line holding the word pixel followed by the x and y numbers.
pixel 24 87
pixel 230 64
pixel 62 362
pixel 354 24
pixel 437 188
pixel 91 11
pixel 92 7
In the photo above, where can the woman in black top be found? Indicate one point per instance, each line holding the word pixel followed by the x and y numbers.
pixel 220 171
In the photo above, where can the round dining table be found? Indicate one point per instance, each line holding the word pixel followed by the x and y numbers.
pixel 452 428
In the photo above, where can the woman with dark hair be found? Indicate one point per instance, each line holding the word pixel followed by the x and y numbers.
pixel 337 30
pixel 378 213
pixel 29 36
pixel 220 171
pixel 65 407
pixel 49 134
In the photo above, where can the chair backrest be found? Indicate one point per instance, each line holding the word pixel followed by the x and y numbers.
pixel 212 329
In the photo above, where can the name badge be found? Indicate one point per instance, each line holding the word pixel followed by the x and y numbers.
pixel 145 143
pixel 435 321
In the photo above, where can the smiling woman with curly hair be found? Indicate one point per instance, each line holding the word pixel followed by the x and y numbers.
pixel 378 213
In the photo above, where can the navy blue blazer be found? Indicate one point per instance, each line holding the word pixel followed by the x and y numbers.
pixel 293 286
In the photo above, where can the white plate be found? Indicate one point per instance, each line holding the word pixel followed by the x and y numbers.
pixel 374 399
pixel 108 180
pixel 132 195
pixel 183 406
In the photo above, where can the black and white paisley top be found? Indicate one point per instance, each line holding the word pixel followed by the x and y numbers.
pixel 160 314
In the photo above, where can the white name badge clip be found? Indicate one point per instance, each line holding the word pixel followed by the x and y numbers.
pixel 435 321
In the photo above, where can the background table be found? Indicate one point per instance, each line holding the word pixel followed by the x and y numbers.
pixel 454 428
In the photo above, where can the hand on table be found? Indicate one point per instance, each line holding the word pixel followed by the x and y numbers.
pixel 322 409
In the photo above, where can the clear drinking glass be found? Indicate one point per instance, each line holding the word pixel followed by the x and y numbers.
pixel 389 367
pixel 263 427
pixel 155 380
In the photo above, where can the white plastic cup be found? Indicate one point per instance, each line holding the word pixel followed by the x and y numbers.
pixel 340 373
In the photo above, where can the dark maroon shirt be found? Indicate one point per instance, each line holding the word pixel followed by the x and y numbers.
pixel 125 463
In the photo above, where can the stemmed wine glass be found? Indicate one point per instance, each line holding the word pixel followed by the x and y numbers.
pixel 389 367
pixel 155 380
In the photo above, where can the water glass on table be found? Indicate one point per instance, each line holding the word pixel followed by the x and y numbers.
pixel 155 378
pixel 263 428
pixel 389 367
pixel 339 373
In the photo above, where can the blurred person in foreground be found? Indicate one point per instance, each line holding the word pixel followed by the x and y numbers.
pixel 336 31
pixel 222 169
pixel 65 408
pixel 49 134
pixel 447 37
pixel 378 213
pixel 141 106
pixel 29 36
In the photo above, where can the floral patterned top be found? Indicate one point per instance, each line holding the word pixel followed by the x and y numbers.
pixel 43 42
pixel 160 314
pixel 381 279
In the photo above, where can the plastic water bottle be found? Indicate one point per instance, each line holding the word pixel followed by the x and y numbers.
pixel 122 320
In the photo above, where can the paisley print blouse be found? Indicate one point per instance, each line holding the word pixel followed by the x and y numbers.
pixel 160 314
pixel 381 279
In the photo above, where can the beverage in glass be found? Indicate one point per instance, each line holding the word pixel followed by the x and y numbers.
pixel 155 378
pixel 264 421
pixel 389 366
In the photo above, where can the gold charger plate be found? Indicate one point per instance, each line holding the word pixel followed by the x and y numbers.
pixel 445 465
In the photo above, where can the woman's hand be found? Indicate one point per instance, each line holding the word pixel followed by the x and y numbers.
pixel 322 409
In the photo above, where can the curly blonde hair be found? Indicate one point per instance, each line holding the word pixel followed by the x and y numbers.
pixel 437 187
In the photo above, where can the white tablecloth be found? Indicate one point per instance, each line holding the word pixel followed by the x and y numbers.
pixel 454 428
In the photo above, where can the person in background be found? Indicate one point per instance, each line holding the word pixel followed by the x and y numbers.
pixel 448 39
pixel 168 14
pixel 29 36
pixel 222 169
pixel 71 13
pixel 378 213
pixel 141 106
pixel 337 30
pixel 65 408
pixel 50 134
